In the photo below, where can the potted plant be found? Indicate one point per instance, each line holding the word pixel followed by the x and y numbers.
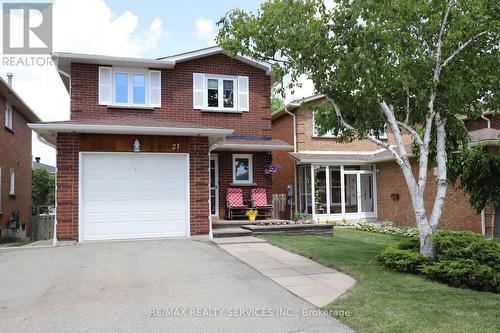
pixel 252 214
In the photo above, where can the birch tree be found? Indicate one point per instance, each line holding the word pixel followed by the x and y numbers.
pixel 410 66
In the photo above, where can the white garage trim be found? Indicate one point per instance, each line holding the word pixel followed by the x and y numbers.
pixel 80 191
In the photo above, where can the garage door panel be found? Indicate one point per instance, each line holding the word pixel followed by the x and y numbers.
pixel 134 195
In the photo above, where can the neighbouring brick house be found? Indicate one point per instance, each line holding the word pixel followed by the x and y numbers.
pixel 152 145
pixel 15 160
pixel 359 180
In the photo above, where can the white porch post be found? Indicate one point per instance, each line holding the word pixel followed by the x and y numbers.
pixel 342 190
pixel 313 196
pixel 358 190
pixel 327 184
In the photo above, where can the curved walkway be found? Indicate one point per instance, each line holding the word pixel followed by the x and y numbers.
pixel 315 283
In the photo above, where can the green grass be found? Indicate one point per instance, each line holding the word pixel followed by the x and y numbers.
pixel 386 301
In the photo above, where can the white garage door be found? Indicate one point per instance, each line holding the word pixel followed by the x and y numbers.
pixel 134 195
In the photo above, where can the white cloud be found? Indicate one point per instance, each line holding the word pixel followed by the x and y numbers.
pixel 305 90
pixel 205 29
pixel 82 27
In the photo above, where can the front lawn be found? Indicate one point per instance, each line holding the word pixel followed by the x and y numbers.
pixel 386 301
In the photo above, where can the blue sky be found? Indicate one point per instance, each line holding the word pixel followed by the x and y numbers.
pixel 179 19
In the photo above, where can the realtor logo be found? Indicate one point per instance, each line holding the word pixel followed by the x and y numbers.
pixel 27 28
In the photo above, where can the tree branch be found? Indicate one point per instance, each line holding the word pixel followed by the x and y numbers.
pixel 371 138
pixel 463 46
pixel 407 118
pixel 410 130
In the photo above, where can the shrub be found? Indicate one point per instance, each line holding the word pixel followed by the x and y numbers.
pixel 463 259
pixel 370 227
pixel 401 260
pixel 410 232
pixel 391 230
pixel 464 273
pixel 467 245
pixel 411 243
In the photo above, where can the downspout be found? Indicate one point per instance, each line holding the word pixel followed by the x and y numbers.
pixel 487 120
pixel 483 222
pixel 295 182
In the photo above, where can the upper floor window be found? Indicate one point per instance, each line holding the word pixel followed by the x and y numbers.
pixel 329 134
pixel 220 93
pixel 129 87
pixel 8 116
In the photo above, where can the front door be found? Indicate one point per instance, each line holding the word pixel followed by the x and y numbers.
pixel 214 185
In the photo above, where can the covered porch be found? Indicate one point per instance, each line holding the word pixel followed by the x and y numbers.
pixel 240 162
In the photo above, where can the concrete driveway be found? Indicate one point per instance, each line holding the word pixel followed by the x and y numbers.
pixel 157 285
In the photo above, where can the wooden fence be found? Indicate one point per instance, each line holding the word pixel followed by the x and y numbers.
pixel 281 209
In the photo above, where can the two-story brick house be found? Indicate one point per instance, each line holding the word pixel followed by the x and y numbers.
pixel 15 159
pixel 152 145
pixel 359 180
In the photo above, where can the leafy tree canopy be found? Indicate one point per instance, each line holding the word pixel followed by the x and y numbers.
pixel 43 188
pixel 478 173
pixel 361 52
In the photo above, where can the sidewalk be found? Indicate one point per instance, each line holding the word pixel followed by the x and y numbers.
pixel 315 283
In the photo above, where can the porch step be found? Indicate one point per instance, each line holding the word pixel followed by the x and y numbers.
pixel 231 224
pixel 231 232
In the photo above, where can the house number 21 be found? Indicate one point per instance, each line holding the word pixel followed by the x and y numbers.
pixel 176 146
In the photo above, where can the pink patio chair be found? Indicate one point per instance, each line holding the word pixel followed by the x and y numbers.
pixel 260 202
pixel 234 201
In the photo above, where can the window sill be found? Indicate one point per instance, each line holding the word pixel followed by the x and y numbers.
pixel 137 107
pixel 220 111
pixel 9 129
pixel 243 184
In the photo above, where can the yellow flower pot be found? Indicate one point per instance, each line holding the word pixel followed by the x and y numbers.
pixel 251 217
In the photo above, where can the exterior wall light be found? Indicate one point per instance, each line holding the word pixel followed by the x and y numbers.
pixel 137 146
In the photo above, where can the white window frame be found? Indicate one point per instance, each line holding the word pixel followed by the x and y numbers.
pixel 9 115
pixel 221 79
pixel 12 182
pixel 250 168
pixel 130 86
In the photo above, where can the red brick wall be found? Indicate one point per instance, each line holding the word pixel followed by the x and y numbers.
pixel 177 96
pixel 15 154
pixel 307 142
pixel 282 128
pixel 198 185
pixel 457 212
pixel 259 161
pixel 67 185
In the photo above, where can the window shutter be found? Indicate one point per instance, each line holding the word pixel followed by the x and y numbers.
pixel 243 93
pixel 105 85
pixel 155 88
pixel 199 91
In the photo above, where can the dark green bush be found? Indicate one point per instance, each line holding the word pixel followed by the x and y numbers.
pixel 467 245
pixel 411 243
pixel 463 259
pixel 464 273
pixel 401 260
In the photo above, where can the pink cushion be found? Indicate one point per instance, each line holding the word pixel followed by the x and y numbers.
pixel 259 197
pixel 235 197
